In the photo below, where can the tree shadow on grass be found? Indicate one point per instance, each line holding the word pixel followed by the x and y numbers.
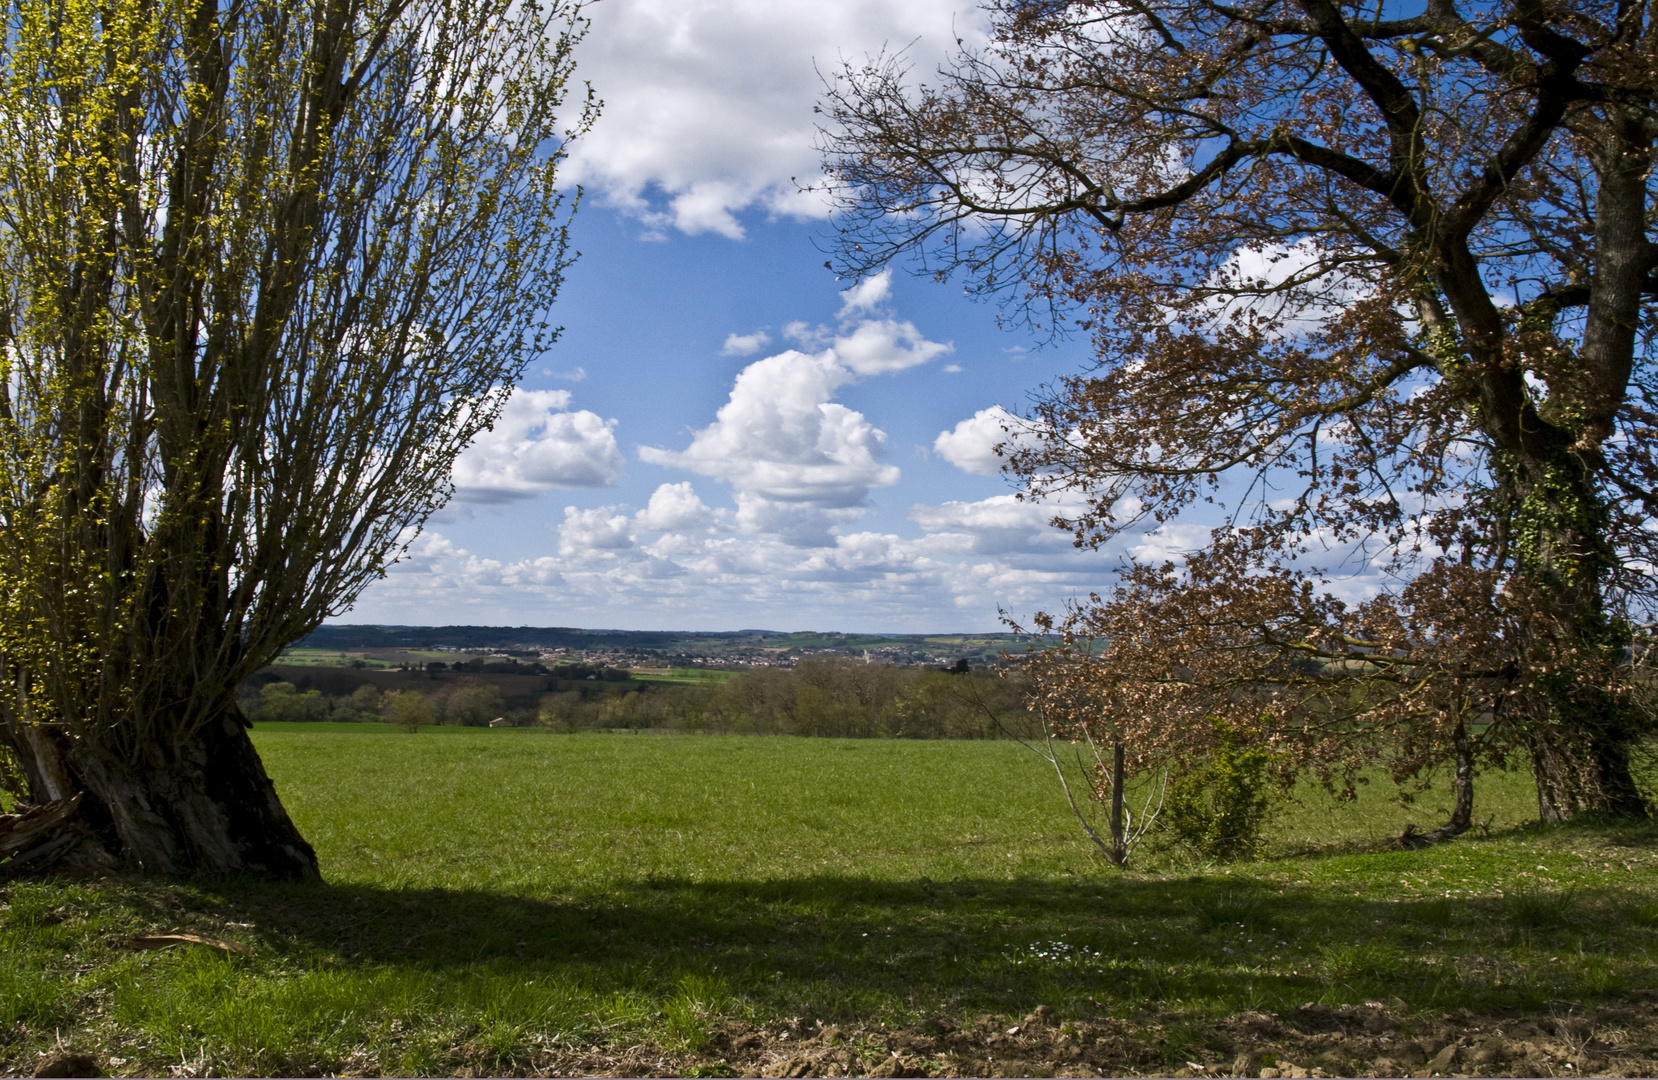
pixel 842 946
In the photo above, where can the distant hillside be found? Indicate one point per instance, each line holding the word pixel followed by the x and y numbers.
pixel 665 642
pixel 486 637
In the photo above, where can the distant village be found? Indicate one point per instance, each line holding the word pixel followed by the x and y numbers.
pixel 724 660
pixel 502 649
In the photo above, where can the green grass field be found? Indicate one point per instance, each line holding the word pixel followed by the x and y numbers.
pixel 685 675
pixel 495 897
pixel 329 658
pixel 375 658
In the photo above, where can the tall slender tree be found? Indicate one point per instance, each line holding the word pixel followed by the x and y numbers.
pixel 1381 279
pixel 265 270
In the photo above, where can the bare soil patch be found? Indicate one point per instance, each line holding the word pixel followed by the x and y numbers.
pixel 1313 1041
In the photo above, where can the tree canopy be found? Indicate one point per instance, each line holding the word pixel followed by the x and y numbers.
pixel 1378 282
pixel 265 270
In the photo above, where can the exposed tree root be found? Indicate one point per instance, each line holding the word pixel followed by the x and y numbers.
pixel 1414 839
pixel 50 836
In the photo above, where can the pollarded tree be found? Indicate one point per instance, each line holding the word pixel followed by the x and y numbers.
pixel 265 269
pixel 1379 278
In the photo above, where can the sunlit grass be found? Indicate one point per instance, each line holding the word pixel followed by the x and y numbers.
pixel 529 811
pixel 495 893
pixel 689 676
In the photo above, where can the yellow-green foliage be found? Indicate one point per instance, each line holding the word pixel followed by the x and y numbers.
pixel 1220 807
pixel 238 352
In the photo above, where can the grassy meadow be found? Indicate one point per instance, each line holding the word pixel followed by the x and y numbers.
pixel 688 676
pixel 508 901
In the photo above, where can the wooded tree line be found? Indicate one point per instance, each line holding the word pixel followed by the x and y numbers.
pixel 828 697
pixel 469 703
pixel 818 697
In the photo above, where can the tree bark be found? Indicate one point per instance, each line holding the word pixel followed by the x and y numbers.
pixel 1119 842
pixel 1462 786
pixel 1580 732
pixel 1580 743
pixel 202 805
pixel 39 836
pixel 1583 772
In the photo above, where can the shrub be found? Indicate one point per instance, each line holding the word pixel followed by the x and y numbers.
pixel 363 702
pixel 559 711
pixel 282 701
pixel 409 708
pixel 473 703
pixel 1220 807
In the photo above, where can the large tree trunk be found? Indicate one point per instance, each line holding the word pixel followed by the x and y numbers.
pixel 1580 730
pixel 1583 772
pixel 201 805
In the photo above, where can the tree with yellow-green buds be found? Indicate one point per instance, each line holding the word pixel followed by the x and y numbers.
pixel 266 268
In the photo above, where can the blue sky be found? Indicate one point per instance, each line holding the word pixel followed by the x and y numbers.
pixel 726 436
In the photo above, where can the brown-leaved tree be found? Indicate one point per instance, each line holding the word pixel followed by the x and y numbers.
pixel 265 269
pixel 1379 280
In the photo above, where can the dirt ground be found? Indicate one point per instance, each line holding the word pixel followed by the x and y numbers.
pixel 1313 1041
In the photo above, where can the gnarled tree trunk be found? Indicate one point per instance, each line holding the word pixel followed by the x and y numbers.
pixel 199 804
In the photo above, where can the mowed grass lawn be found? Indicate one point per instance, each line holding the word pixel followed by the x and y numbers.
pixel 493 895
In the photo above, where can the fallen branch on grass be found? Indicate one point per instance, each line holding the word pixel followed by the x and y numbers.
pixel 167 941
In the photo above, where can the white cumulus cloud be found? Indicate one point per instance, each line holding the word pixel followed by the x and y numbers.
pixel 745 344
pixel 801 464
pixel 971 445
pixel 878 345
pixel 1000 525
pixel 973 558
pixel 536 445
pixel 882 346
pixel 1296 287
pixel 1169 542
pixel 708 103
pixel 780 436
pixel 867 294
pixel 798 523
pixel 675 508
pixel 806 335
pixel 599 529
